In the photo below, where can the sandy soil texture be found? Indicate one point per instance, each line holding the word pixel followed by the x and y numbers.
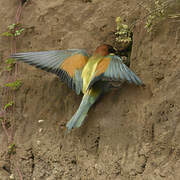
pixel 132 133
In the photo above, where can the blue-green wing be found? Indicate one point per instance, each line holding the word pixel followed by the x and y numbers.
pixel 112 68
pixel 67 64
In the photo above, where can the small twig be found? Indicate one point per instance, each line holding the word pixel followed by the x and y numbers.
pixel 165 5
pixel 18 15
pixel 5 130
pixel 19 10
pixel 19 172
pixel 137 7
pixel 6 91
pixel 141 4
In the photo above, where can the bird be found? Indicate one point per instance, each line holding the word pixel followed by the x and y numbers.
pixel 87 75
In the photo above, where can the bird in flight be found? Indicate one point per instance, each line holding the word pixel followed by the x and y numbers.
pixel 87 75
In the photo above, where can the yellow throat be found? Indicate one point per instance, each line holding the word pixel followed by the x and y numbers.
pixel 89 71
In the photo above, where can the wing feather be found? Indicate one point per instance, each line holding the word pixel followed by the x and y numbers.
pixel 116 70
pixel 63 63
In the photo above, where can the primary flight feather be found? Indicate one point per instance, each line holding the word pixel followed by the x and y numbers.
pixel 89 75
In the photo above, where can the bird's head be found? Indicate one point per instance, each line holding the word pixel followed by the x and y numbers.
pixel 104 50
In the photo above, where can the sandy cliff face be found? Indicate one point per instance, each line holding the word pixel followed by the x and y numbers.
pixel 131 133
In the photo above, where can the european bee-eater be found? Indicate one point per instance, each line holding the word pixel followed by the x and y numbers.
pixel 89 75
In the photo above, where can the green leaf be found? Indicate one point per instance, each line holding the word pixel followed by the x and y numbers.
pixel 8 34
pixel 12 149
pixel 10 61
pixel 9 68
pixel 18 32
pixel 14 85
pixel 8 105
pixel 11 26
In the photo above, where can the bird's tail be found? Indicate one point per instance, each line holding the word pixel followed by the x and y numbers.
pixel 76 121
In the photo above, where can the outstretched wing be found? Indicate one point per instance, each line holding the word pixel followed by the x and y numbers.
pixel 112 68
pixel 67 64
